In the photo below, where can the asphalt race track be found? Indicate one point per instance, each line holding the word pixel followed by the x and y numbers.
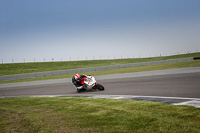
pixel 183 85
pixel 179 85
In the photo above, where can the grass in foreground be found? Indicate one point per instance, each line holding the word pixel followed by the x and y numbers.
pixel 20 68
pixel 194 63
pixel 95 115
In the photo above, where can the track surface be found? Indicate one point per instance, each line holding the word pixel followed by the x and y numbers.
pixel 185 85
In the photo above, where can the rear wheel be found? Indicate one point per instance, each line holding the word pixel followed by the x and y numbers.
pixel 80 90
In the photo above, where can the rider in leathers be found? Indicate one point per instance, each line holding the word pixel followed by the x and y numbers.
pixel 78 80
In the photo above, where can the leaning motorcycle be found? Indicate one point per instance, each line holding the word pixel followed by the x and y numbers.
pixel 89 84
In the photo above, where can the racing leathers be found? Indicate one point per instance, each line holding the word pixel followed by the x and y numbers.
pixel 79 83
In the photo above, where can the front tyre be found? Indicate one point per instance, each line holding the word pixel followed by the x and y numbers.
pixel 100 87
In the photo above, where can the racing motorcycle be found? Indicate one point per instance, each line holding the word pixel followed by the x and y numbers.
pixel 90 84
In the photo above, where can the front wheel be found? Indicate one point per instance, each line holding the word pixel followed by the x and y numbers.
pixel 99 87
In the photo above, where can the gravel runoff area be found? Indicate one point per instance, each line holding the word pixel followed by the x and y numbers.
pixel 70 71
pixel 170 100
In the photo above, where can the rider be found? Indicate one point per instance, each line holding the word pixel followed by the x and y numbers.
pixel 78 80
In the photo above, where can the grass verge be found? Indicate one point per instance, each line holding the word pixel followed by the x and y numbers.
pixel 21 68
pixel 194 63
pixel 95 115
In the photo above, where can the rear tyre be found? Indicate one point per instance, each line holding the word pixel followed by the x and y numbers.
pixel 78 90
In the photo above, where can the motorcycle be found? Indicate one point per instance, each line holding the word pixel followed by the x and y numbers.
pixel 90 84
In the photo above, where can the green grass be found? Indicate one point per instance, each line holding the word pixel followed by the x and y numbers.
pixel 95 115
pixel 194 63
pixel 20 68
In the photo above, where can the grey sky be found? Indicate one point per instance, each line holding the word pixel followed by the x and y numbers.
pixel 78 29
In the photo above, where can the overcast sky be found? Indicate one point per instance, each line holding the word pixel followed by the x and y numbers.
pixel 80 29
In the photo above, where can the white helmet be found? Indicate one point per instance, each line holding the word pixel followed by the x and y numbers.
pixel 77 76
